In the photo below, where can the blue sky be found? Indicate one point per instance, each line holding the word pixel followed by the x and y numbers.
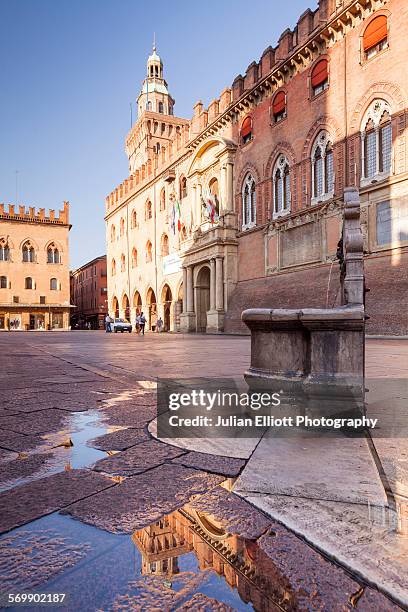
pixel 70 68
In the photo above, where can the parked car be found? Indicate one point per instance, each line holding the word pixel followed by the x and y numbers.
pixel 121 325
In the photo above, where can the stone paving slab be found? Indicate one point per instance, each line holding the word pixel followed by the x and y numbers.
pixel 357 536
pixel 38 422
pixel 137 459
pixel 18 442
pixel 30 501
pixel 128 414
pixel 228 466
pixel 311 582
pixel 119 440
pixel 143 499
pixel 21 467
pixel 235 515
pixel 293 466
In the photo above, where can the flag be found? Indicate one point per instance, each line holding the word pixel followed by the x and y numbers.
pixel 178 215
pixel 173 219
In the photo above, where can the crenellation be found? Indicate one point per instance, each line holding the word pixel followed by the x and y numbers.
pixel 285 45
pixel 251 75
pixel 305 26
pixel 237 87
pixel 32 216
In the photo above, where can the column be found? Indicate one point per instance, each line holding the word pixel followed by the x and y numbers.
pixel 219 293
pixel 190 298
pixel 184 289
pixel 212 283
pixel 230 187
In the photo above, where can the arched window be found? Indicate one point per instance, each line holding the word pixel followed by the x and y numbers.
pixel 149 105
pixel 320 77
pixel 4 250
pixel 322 168
pixel 375 37
pixel 113 267
pixel 134 258
pixel 122 226
pixel 28 252
pixel 122 263
pixel 163 199
pixel 183 187
pixel 281 187
pixel 113 233
pixel 246 130
pixel 164 243
pixel 376 141
pixel 248 202
pixel 133 219
pixel 53 256
pixel 279 106
pixel 3 282
pixel 161 109
pixel 148 210
pixel 54 284
pixel 28 283
pixel 149 256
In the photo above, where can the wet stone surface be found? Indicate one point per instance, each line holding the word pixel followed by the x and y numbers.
pixel 38 422
pixel 142 499
pixel 119 440
pixel 228 466
pixel 138 458
pixel 35 499
pixel 22 466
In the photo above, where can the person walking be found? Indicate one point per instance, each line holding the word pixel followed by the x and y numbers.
pixel 137 325
pixel 142 323
pixel 159 325
pixel 108 324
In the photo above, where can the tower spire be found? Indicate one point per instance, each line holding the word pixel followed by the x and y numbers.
pixel 154 42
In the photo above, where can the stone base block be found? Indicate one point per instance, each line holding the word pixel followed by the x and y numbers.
pixel 215 321
pixel 187 322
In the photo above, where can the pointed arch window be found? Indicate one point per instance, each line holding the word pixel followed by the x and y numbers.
pixel 161 108
pixel 281 187
pixel 133 219
pixel 28 252
pixel 163 199
pixel 375 37
pixel 376 143
pixel 248 202
pixel 134 258
pixel 122 226
pixel 4 250
pixel 149 249
pixel 122 263
pixel 53 256
pixel 148 210
pixel 113 233
pixel 279 106
pixel 113 267
pixel 164 245
pixel 320 77
pixel 322 168
pixel 246 130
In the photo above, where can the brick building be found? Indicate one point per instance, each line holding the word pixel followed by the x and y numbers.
pixel 247 196
pixel 34 269
pixel 89 294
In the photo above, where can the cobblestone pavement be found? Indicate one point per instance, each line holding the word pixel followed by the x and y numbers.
pixel 85 486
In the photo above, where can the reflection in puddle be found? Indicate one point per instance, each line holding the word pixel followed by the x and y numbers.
pixel 60 454
pixel 184 561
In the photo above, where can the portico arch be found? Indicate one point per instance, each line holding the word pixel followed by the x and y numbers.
pixel 151 308
pixel 137 302
pixel 166 300
pixel 115 307
pixel 126 307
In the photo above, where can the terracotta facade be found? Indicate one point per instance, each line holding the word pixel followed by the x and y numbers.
pixel 323 110
pixel 89 295
pixel 34 269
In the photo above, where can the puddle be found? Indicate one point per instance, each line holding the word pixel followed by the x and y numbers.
pixel 80 428
pixel 184 561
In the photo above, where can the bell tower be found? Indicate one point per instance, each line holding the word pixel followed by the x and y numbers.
pixel 154 96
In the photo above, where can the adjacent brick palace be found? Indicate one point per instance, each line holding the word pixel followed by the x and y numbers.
pixel 241 205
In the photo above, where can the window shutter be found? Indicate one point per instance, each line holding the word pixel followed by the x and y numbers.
pixel 246 127
pixel 279 103
pixel 375 32
pixel 320 73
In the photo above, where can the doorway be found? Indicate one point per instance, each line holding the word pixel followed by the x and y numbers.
pixel 202 298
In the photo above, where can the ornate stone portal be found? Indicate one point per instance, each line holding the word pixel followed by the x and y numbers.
pixel 317 354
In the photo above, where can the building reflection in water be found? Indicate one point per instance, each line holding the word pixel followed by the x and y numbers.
pixel 241 562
